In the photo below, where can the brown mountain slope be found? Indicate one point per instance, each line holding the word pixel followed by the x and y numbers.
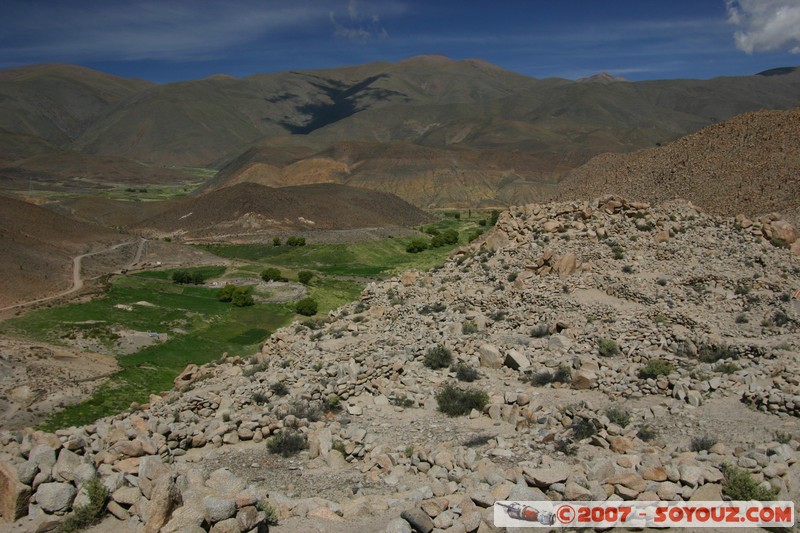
pixel 749 164
pixel 251 210
pixel 38 246
pixel 57 102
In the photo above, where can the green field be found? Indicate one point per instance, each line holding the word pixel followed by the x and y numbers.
pixel 374 259
pixel 211 328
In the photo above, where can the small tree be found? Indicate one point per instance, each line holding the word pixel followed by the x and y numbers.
pixel 181 277
pixel 304 276
pixel 296 241
pixel 225 294
pixel 306 307
pixel 416 245
pixel 276 241
pixel 241 297
pixel 272 274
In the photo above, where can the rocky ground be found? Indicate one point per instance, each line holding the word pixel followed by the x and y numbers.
pixel 627 352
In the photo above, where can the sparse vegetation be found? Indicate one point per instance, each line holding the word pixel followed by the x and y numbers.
pixel 438 357
pixel 607 347
pixel 740 486
pixel 454 401
pixel 90 513
pixel 655 368
pixel 618 416
pixel 468 327
pixel 713 353
pixel 646 433
pixel 727 367
pixel 279 388
pixel 702 443
pixel 464 372
pixel 287 442
pixel 583 428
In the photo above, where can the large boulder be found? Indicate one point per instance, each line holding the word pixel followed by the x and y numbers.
pixel 14 496
pixel 490 356
pixel 55 497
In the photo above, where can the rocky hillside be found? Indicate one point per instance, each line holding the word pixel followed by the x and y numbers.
pixel 749 164
pixel 625 351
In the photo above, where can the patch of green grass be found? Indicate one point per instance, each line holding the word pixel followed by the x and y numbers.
pixel 207 272
pixel 378 258
pixel 211 327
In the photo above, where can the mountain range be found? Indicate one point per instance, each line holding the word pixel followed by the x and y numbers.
pixel 434 131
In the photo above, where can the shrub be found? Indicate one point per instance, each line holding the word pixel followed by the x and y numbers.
pixel 607 347
pixel 627 269
pixel 438 357
pixel 296 241
pixel 712 354
pixel 416 246
pixel 618 416
pixel 465 372
pixel 542 330
pixel 477 440
pixel 741 290
pixel 493 217
pixel 259 398
pixel 402 401
pixel 468 327
pixel 242 297
pixel 306 307
pixel 272 274
pixel 655 368
pixel 454 401
pixel 286 443
pixel 740 486
pixel 727 367
pixel 583 428
pixel 541 378
pixel 512 276
pixel 703 442
pixel 225 294
pixel 270 512
pixel 741 318
pixel 276 241
pixel 333 403
pixel 279 388
pixel 778 243
pixel 92 512
pixel 646 433
pixel 563 374
pixel 304 276
pixel 303 409
pixel 783 438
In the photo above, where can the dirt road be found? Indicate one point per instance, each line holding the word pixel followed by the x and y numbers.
pixel 77 279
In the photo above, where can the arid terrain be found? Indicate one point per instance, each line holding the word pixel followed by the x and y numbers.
pixel 626 350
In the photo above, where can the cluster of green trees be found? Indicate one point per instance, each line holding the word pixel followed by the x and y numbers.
pixel 238 296
pixel 439 239
pixel 184 277
pixel 291 241
pixel 272 274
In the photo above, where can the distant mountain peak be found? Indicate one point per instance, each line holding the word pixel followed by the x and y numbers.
pixel 428 59
pixel 602 77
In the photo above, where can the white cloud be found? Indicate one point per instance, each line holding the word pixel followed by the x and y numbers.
pixel 181 30
pixel 360 27
pixel 766 24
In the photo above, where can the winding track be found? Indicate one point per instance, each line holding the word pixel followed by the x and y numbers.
pixel 77 280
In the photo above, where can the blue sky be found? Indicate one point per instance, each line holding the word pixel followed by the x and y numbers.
pixel 172 40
